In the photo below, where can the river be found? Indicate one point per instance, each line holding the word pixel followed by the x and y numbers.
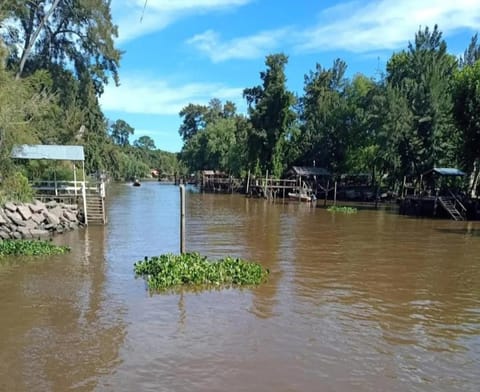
pixel 372 301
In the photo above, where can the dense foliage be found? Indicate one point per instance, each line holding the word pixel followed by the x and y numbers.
pixel 30 248
pixel 55 59
pixel 170 271
pixel 422 112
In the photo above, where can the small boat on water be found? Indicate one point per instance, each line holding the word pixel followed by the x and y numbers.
pixel 136 182
pixel 301 197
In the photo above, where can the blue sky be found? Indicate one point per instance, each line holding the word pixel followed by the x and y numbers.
pixel 190 51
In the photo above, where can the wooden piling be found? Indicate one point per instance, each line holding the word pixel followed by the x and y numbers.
pixel 335 194
pixel 182 219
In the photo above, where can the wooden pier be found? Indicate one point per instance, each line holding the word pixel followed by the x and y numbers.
pixel 90 196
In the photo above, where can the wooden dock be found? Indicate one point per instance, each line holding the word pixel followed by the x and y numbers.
pixel 90 196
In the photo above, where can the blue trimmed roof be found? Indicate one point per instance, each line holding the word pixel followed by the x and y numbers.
pixel 52 152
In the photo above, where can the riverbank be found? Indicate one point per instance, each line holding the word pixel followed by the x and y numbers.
pixel 37 219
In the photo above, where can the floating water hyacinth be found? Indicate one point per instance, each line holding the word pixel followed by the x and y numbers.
pixel 30 248
pixel 342 209
pixel 192 269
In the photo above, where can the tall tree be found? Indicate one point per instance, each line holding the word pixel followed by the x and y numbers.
pixel 193 120
pixel 423 75
pixel 77 32
pixel 472 53
pixel 120 131
pixel 323 109
pixel 467 116
pixel 271 114
pixel 145 143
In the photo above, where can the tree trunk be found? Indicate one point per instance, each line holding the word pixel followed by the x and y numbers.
pixel 31 42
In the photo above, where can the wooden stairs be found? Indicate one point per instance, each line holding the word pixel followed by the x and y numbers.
pixel 449 206
pixel 96 210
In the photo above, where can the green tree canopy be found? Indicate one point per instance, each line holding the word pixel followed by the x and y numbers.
pixel 270 109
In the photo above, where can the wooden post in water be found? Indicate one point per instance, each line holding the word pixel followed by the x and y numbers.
pixel 182 219
pixel 326 193
pixel 335 194
pixel 248 182
pixel 265 189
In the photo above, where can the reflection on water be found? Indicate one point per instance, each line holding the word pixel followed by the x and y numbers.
pixel 58 329
pixel 370 301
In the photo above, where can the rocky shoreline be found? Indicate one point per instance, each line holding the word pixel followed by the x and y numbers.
pixel 38 219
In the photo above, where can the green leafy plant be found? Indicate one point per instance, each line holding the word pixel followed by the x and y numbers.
pixel 170 271
pixel 342 209
pixel 30 248
pixel 16 188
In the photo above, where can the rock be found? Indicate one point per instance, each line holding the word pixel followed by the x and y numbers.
pixel 25 212
pixel 16 218
pixel 3 221
pixel 30 224
pixel 72 217
pixel 51 218
pixel 51 204
pixel 24 232
pixel 38 218
pixel 16 235
pixel 4 235
pixel 57 211
pixel 37 206
pixel 39 233
pixel 11 207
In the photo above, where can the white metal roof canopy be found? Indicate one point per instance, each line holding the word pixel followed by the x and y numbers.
pixel 56 153
pixel 49 152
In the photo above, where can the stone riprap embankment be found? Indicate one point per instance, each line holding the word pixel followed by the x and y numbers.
pixel 37 219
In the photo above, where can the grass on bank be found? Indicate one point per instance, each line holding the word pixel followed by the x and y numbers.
pixel 342 209
pixel 30 248
pixel 191 269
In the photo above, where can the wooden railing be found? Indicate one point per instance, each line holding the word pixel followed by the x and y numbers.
pixel 69 189
pixel 65 188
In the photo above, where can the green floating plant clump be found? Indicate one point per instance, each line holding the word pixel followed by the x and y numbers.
pixel 342 209
pixel 169 271
pixel 30 248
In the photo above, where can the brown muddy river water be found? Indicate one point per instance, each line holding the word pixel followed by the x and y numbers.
pixel 367 302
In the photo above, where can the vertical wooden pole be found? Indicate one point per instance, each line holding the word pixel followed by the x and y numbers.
pixel 182 219
pixel 265 194
pixel 335 194
pixel 248 182
pixel 326 192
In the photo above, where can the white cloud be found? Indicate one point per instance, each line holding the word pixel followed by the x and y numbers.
pixel 356 26
pixel 142 95
pixel 136 18
pixel 250 47
pixel 378 25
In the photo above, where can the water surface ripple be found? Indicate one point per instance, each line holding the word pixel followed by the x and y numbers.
pixel 372 301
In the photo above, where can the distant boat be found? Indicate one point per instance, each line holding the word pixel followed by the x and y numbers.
pixel 301 197
pixel 136 182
